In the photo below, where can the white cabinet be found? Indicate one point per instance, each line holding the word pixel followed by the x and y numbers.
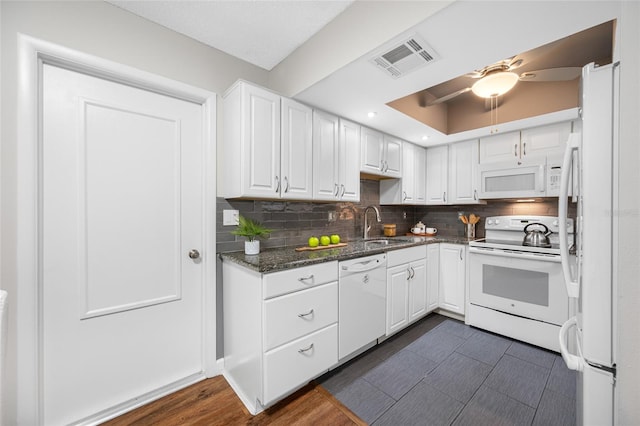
pixel 411 189
pixel 433 276
pixel 528 143
pixel 381 154
pixel 348 158
pixel 406 287
pixel 437 174
pixel 267 145
pixel 452 174
pixel 453 260
pixel 280 329
pixel 296 151
pixel 336 151
pixel 463 173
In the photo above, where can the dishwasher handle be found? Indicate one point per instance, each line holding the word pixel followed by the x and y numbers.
pixel 362 266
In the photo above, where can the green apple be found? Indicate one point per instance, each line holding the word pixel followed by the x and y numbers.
pixel 324 240
pixel 313 241
pixel 335 239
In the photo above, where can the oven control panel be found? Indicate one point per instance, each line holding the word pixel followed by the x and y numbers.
pixel 518 223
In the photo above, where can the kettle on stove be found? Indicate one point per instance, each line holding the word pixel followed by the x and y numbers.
pixel 536 237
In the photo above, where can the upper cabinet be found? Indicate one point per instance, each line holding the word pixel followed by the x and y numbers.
pixel 452 174
pixel 529 143
pixel 336 152
pixel 410 189
pixel 267 145
pixel 381 154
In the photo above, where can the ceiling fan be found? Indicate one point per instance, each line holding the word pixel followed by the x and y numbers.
pixel 497 79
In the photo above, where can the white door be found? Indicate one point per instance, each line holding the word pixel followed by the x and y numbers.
pixel 463 172
pixel 436 177
pixel 503 147
pixel 392 157
pixel 121 208
pixel 296 151
pixel 408 173
pixel 349 155
pixel 420 174
pixel 372 145
pixel 433 276
pixel 325 156
pixel 418 290
pixel 397 298
pixel 452 277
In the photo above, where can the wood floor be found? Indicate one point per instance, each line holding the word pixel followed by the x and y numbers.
pixel 213 402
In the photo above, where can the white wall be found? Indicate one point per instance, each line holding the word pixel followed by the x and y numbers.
pixel 106 31
pixel 628 214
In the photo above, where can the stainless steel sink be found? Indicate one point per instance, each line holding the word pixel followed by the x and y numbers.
pixel 378 243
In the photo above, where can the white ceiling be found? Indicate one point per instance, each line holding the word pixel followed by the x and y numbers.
pixel 261 32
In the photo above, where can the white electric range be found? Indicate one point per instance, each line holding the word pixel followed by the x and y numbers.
pixel 518 290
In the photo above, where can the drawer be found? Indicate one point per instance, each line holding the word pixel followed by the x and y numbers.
pixel 296 279
pixel 294 364
pixel 406 255
pixel 294 315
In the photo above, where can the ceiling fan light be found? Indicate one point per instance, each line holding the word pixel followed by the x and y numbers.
pixel 495 84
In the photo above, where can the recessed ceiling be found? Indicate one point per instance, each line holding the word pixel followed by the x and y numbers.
pixel 545 86
pixel 260 32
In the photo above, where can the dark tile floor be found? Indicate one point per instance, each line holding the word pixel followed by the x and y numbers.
pixel 442 372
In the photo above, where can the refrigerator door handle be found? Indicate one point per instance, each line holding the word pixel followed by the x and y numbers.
pixel 574 362
pixel 573 285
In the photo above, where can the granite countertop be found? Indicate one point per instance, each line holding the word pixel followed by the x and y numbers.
pixel 279 259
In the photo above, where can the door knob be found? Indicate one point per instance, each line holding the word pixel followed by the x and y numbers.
pixel 194 254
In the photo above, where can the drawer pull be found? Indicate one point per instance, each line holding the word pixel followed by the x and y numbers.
pixel 303 279
pixel 302 351
pixel 306 315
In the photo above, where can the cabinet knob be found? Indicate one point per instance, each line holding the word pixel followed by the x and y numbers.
pixel 194 254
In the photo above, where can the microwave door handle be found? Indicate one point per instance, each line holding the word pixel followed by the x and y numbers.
pixel 573 285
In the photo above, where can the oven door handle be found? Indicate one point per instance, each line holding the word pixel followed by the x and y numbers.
pixel 515 254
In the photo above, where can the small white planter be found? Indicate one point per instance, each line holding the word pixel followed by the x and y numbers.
pixel 252 247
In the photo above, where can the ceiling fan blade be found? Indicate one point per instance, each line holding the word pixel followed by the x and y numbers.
pixel 552 74
pixel 449 96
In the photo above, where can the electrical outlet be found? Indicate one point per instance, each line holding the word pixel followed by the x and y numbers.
pixel 230 217
pixel 332 216
pixel 404 215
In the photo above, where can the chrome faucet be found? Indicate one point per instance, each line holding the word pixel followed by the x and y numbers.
pixel 367 227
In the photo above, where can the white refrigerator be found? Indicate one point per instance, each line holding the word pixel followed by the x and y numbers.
pixel 590 273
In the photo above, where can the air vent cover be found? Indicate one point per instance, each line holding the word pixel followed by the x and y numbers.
pixel 400 59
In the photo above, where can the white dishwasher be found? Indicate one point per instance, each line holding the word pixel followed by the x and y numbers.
pixel 362 302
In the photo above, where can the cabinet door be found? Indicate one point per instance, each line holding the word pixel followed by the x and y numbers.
pixel 545 140
pixel 392 157
pixel 418 290
pixel 433 276
pixel 296 151
pixel 463 172
pixel 325 156
pixel 372 148
pixel 419 170
pixel 408 173
pixel 452 277
pixel 437 165
pixel 504 147
pixel 349 157
pixel 397 298
pixel 260 158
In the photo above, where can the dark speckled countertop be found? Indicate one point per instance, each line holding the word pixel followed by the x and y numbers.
pixel 279 259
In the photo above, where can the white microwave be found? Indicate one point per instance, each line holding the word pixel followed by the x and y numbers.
pixel 527 179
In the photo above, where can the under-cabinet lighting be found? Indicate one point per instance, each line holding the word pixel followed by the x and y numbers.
pixel 526 200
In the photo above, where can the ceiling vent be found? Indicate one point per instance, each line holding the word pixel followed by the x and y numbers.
pixel 405 57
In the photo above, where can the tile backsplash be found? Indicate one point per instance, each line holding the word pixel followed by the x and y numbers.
pixel 293 222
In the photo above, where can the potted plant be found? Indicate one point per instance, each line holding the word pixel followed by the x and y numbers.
pixel 251 230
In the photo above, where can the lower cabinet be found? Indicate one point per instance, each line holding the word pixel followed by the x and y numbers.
pixel 433 276
pixel 406 287
pixel 280 329
pixel 453 261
